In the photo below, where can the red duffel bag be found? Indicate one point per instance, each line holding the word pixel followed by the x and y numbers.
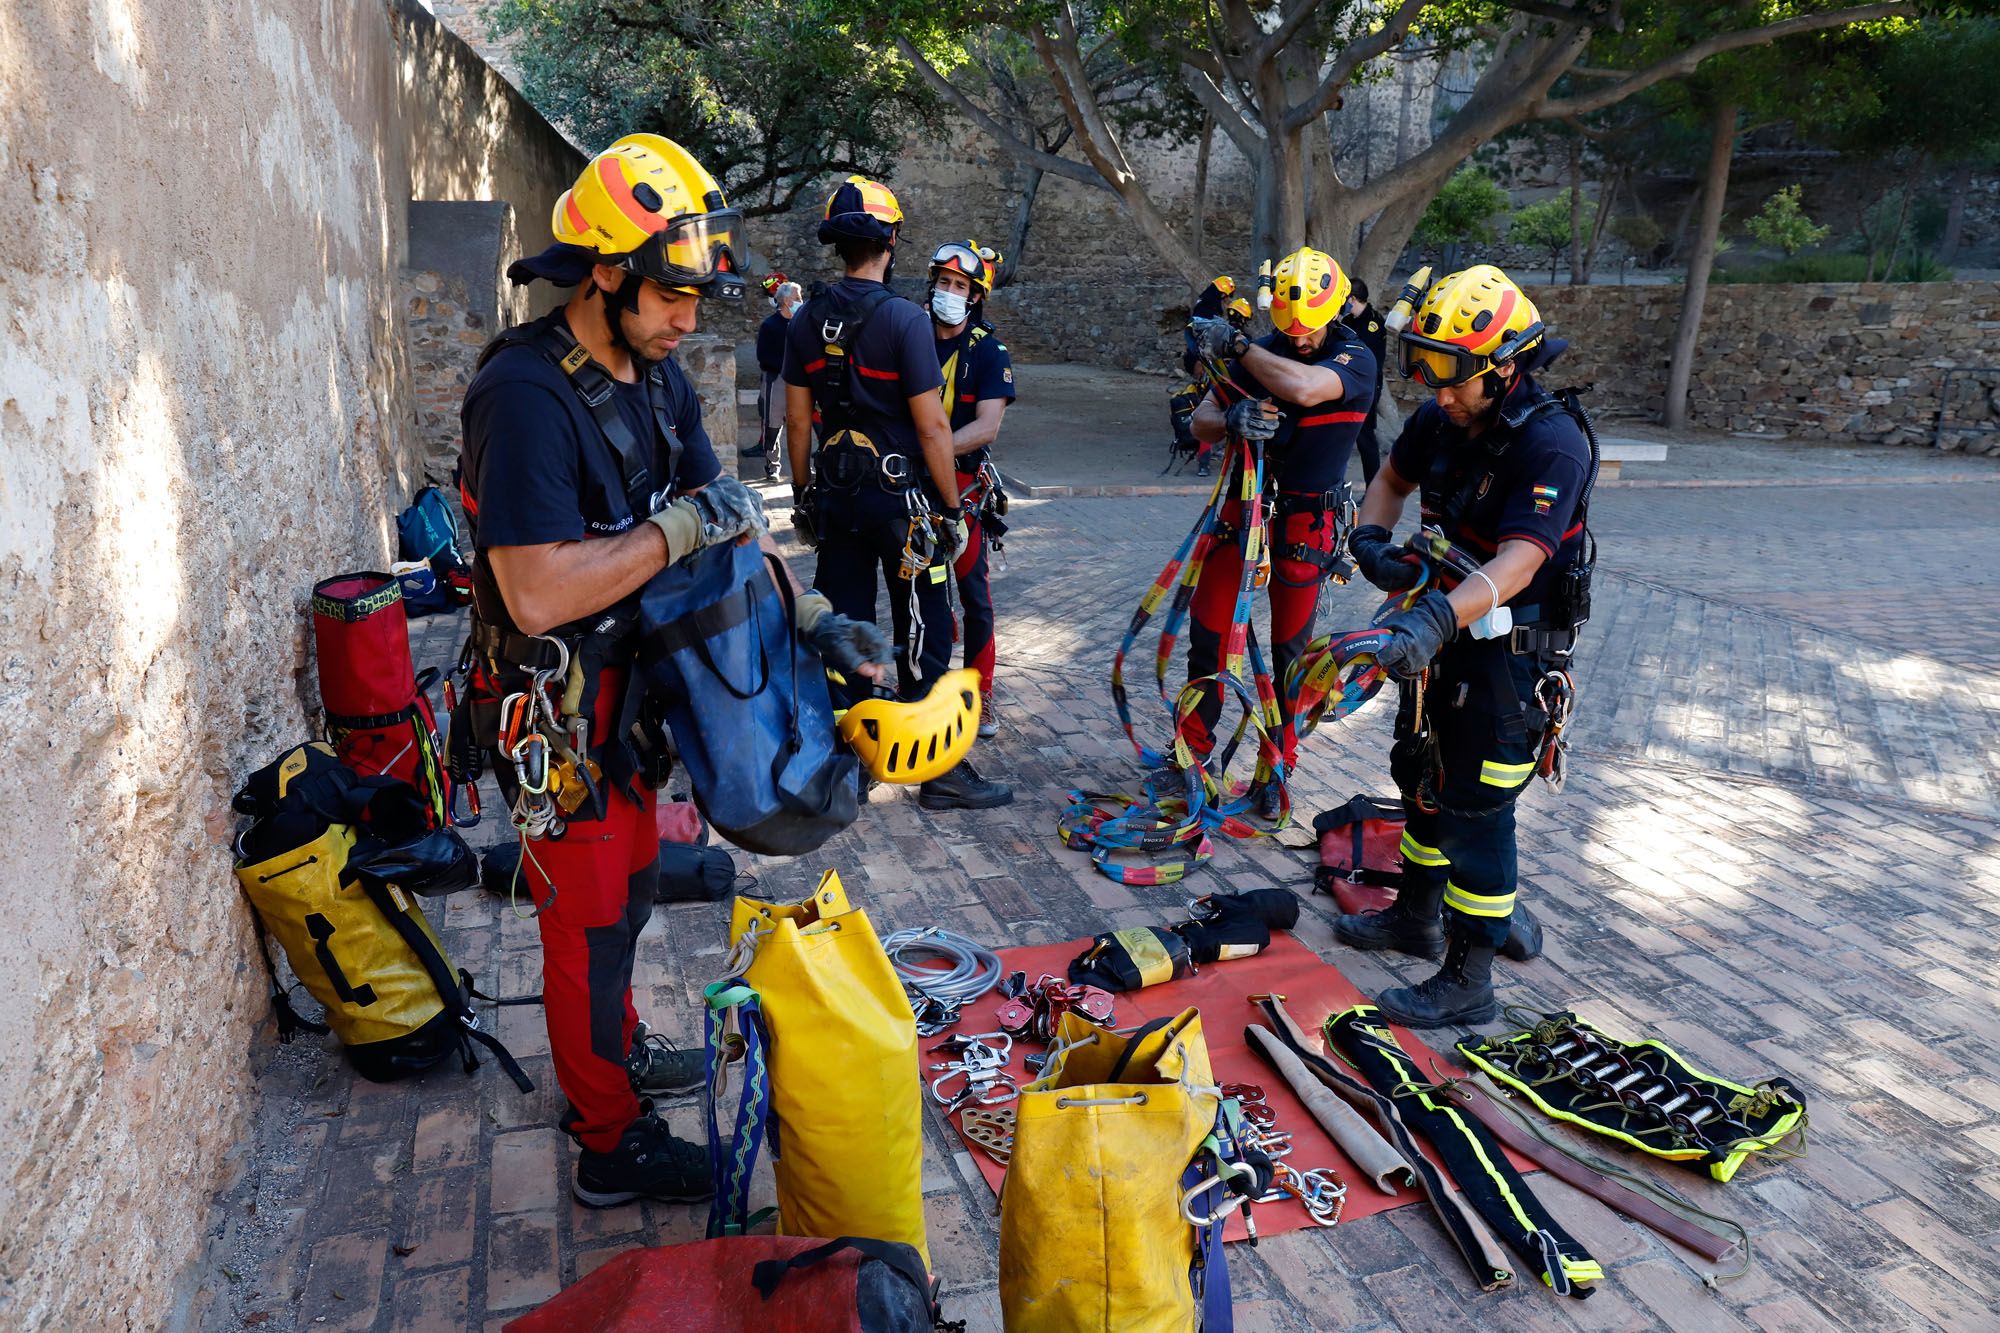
pixel 1360 854
pixel 748 1284
pixel 377 717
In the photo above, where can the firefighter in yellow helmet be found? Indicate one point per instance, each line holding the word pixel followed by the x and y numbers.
pixel 1218 300
pixel 585 472
pixel 1503 470
pixel 872 466
pixel 1309 385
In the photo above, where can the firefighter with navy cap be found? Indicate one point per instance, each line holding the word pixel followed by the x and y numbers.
pixel 1503 470
pixel 1308 386
pixel 586 472
pixel 978 386
pixel 879 494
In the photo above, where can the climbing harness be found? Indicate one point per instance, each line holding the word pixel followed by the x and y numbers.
pixel 1175 829
pixel 1468 1151
pixel 1643 1094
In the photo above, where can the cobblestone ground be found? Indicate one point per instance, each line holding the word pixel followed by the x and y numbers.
pixel 1778 852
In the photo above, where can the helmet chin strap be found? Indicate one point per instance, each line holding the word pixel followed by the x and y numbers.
pixel 626 298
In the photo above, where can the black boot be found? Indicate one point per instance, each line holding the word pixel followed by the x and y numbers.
pixel 1460 995
pixel 648 1163
pixel 1395 927
pixel 963 789
pixel 1524 936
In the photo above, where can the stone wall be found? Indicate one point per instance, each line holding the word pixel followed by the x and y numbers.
pixel 1832 361
pixel 204 397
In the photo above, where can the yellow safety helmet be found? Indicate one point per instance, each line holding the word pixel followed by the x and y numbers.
pixel 911 743
pixel 646 205
pixel 1223 283
pixel 1239 312
pixel 1309 292
pixel 863 210
pixel 970 260
pixel 1468 323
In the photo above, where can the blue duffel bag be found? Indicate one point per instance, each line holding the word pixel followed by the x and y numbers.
pixel 746 701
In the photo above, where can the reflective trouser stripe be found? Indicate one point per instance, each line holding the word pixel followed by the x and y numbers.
pixel 1505 775
pixel 1478 904
pixel 1418 854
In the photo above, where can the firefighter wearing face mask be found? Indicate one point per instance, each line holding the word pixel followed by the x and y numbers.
pixel 1503 470
pixel 978 386
pixel 1308 386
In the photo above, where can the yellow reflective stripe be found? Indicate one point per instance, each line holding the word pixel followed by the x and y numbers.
pixel 1147 954
pixel 1505 775
pixel 1418 854
pixel 1478 904
pixel 1578 1272
pixel 938 571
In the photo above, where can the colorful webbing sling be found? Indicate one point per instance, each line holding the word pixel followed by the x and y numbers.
pixel 1469 1152
pixel 1176 830
pixel 735 1034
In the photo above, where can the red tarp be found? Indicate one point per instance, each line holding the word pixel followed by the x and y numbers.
pixel 1311 989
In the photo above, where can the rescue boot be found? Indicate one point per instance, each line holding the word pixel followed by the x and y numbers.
pixel 963 789
pixel 1404 929
pixel 648 1163
pixel 659 1068
pixel 1201 468
pixel 1524 936
pixel 1460 995
pixel 1268 802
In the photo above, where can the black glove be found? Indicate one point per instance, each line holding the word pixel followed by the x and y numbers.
pixel 951 534
pixel 729 510
pixel 842 644
pixel 1253 419
pixel 805 515
pixel 1218 338
pixel 1389 567
pixel 1417 634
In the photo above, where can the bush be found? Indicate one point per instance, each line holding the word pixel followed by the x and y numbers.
pixel 1465 209
pixel 1784 225
pixel 1833 268
pixel 1545 226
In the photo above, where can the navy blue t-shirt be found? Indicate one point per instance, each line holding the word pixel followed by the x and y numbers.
pixel 983 370
pixel 894 361
pixel 1310 451
pixel 536 468
pixel 771 343
pixel 1526 492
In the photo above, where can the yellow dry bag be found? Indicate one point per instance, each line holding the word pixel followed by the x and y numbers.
pixel 1092 1234
pixel 842 1063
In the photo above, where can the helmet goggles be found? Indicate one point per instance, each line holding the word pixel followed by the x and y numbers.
pixel 1438 364
pixel 963 260
pixel 696 251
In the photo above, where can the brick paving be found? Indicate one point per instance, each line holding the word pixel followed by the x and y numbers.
pixel 1778 851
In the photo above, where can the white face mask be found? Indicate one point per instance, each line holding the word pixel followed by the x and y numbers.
pixel 949 307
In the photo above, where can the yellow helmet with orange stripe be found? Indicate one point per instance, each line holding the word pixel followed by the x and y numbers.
pixel 1309 291
pixel 1466 324
pixel 647 206
pixel 863 210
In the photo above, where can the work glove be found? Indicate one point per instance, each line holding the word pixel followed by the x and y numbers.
pixel 1253 419
pixel 1389 567
pixel 952 534
pixel 805 515
pixel 681 524
pixel 842 644
pixel 1416 635
pixel 729 510
pixel 1218 338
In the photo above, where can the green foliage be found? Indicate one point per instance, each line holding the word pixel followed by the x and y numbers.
pixel 1783 223
pixel 770 101
pixel 1545 226
pixel 1833 268
pixel 1638 232
pixel 1467 208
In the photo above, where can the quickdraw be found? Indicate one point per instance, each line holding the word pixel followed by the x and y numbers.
pixel 1643 1094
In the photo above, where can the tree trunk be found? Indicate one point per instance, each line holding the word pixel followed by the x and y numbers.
pixel 1902 220
pixel 1577 275
pixel 1289 162
pixel 1686 220
pixel 1201 182
pixel 1680 369
pixel 1017 238
pixel 1954 215
pixel 1606 197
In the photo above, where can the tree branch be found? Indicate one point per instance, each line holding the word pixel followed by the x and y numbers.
pixel 1232 120
pixel 1290 20
pixel 1356 54
pixel 1684 62
pixel 1025 153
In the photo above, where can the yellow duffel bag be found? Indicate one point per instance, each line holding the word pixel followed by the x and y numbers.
pixel 842 1065
pixel 1092 1234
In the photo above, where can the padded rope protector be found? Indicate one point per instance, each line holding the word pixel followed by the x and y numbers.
pixel 1470 1153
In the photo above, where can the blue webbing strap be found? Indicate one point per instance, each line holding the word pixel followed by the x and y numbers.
pixel 735 1028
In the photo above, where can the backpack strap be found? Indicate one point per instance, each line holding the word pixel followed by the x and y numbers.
pixel 290 1021
pixel 980 333
pixel 832 374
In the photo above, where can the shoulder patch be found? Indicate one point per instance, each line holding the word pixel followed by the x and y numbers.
pixel 1008 374
pixel 1344 358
